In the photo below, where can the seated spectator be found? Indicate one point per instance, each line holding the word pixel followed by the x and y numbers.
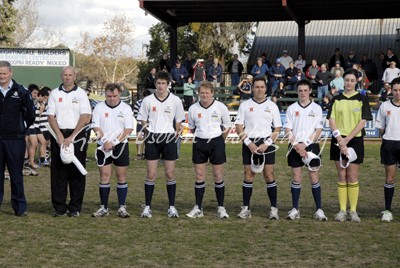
pixel 289 74
pixel 277 76
pixel 244 88
pixel 337 84
pixel 179 74
pixel 300 63
pixel 299 76
pixel 385 92
pixel 390 73
pixel 188 93
pixel 337 67
pixel 260 69
pixel 337 57
pixel 312 72
pixel 265 60
pixel 274 99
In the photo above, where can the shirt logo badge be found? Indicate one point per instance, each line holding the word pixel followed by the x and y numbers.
pixel 251 109
pixel 105 114
pixel 154 108
pixel 60 99
pixel 297 113
pixel 199 115
pixel 387 112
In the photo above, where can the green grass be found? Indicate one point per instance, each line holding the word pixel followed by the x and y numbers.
pixel 40 240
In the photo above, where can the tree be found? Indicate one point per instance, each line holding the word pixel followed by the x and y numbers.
pixel 105 57
pixel 7 22
pixel 27 20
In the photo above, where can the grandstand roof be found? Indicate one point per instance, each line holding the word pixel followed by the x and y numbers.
pixel 322 37
pixel 181 12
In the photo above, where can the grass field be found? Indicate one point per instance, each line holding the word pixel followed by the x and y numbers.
pixel 40 240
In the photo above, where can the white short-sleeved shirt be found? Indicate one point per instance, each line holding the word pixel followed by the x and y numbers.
pixel 112 120
pixel 388 118
pixel 208 121
pixel 303 121
pixel 160 115
pixel 258 118
pixel 67 107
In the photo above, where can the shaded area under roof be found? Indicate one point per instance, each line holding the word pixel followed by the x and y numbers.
pixel 322 37
pixel 180 12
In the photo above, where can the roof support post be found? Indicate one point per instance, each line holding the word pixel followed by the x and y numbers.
pixel 173 43
pixel 301 39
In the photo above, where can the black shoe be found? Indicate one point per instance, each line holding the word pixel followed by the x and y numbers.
pixel 73 214
pixel 59 214
pixel 22 214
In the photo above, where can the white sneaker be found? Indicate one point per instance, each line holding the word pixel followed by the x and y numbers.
pixel 353 216
pixel 221 213
pixel 195 212
pixel 146 212
pixel 320 215
pixel 293 214
pixel 341 216
pixel 387 216
pixel 122 212
pixel 273 214
pixel 244 213
pixel 101 212
pixel 172 212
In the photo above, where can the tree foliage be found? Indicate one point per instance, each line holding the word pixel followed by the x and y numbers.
pixel 27 21
pixel 200 39
pixel 8 16
pixel 106 57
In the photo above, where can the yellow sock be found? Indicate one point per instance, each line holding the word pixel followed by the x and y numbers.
pixel 353 189
pixel 342 194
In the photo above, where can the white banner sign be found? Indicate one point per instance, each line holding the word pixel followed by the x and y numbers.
pixel 35 57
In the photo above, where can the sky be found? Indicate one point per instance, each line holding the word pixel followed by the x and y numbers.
pixel 74 17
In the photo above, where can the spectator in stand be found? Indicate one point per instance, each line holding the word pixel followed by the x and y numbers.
pixel 298 77
pixel 335 58
pixel 337 67
pixel 235 68
pixel 277 77
pixel 311 72
pixel 150 79
pixel 164 63
pixel 300 63
pixel 244 88
pixel 389 57
pixel 326 102
pixel 274 99
pixel 189 63
pixel 265 60
pixel 215 73
pixel 289 74
pixel 125 94
pixel 369 67
pixel 179 74
pixel 323 78
pixel 390 73
pixel 361 77
pixel 188 93
pixel 337 84
pixel 199 72
pixel 139 128
pixel 379 67
pixel 350 60
pixel 285 59
pixel 208 63
pixel 385 92
pixel 260 69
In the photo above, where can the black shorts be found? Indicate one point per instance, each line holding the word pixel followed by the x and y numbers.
pixel 390 152
pixel 120 155
pixel 139 127
pixel 31 131
pixel 204 149
pixel 46 135
pixel 269 154
pixel 294 159
pixel 357 143
pixel 161 145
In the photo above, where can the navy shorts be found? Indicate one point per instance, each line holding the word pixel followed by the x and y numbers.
pixel 390 152
pixel 269 154
pixel 31 131
pixel 357 143
pixel 213 149
pixel 120 155
pixel 294 159
pixel 161 145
